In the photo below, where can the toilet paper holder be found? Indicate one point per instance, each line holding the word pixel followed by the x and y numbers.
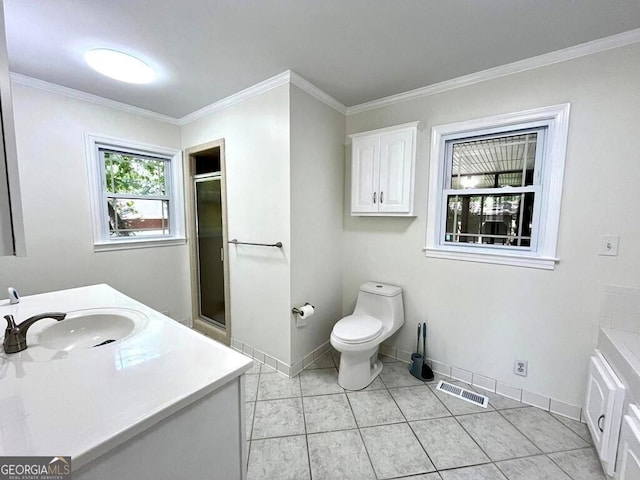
pixel 296 310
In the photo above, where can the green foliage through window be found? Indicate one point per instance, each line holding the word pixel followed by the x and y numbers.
pixel 136 194
pixel 136 175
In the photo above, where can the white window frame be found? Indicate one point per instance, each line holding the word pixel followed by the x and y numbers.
pixel 542 253
pixel 102 240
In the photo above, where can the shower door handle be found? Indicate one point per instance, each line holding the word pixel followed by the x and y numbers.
pixel 222 254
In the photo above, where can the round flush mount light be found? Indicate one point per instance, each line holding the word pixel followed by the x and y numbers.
pixel 120 66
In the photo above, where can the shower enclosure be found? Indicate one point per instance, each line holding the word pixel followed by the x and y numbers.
pixel 208 247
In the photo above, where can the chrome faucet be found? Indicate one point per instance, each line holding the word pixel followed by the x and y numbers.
pixel 15 336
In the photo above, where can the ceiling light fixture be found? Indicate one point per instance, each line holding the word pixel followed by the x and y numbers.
pixel 120 66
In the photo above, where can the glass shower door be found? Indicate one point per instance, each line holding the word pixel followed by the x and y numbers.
pixel 210 249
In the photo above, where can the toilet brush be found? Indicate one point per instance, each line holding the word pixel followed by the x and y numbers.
pixel 416 359
pixel 427 373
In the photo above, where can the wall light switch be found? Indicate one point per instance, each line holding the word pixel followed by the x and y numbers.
pixel 609 245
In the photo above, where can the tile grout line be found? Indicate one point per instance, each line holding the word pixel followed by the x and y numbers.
pixel 388 389
pixel 546 454
pixel 409 425
pixel 566 427
pixel 344 392
pixel 588 440
pixel 542 454
pixel 560 466
pixel 360 433
pixel 531 439
pixel 491 460
pixel 253 417
pixel 406 422
pixel 304 424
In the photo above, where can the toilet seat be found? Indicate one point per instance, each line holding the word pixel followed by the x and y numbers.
pixel 357 329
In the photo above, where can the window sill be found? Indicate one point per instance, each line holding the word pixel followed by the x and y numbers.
pixel 132 244
pixel 545 263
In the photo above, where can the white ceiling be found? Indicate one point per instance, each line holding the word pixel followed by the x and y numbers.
pixel 354 50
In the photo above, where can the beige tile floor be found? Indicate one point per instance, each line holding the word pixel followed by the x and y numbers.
pixel 308 428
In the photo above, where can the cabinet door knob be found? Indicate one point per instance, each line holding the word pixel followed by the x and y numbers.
pixel 381 197
pixel 600 418
pixel 374 197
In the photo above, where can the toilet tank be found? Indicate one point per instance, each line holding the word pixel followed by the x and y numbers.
pixel 381 301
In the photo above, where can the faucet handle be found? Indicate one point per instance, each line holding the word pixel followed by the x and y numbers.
pixel 11 323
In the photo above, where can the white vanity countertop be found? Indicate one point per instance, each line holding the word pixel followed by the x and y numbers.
pixel 92 400
pixel 622 351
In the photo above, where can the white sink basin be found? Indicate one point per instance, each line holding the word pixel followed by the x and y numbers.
pixel 83 329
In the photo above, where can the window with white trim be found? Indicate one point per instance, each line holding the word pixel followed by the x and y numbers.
pixel 136 194
pixel 495 188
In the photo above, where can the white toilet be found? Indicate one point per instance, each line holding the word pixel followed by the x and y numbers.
pixel 379 313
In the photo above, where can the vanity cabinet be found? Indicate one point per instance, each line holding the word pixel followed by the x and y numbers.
pixel 161 402
pixel 383 170
pixel 204 440
pixel 603 410
pixel 628 464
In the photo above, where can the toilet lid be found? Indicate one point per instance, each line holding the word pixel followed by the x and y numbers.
pixel 357 328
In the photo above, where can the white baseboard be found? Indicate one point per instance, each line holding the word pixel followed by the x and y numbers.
pixel 277 364
pixel 534 399
pixel 475 379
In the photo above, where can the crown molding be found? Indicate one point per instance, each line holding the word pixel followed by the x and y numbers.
pixel 315 92
pixel 257 89
pixel 588 48
pixel 264 86
pixel 283 78
pixel 20 79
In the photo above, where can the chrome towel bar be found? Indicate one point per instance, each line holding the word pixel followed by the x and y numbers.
pixel 236 242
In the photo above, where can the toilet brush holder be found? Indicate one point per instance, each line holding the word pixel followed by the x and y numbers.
pixel 416 365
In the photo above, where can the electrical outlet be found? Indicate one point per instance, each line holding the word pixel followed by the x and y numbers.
pixel 520 367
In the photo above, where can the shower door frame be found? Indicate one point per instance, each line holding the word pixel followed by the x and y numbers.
pixel 215 331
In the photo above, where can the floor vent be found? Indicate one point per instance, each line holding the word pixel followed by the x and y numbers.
pixel 464 394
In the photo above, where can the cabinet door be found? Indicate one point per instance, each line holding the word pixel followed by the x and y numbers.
pixel 628 465
pixel 396 171
pixel 603 409
pixel 365 175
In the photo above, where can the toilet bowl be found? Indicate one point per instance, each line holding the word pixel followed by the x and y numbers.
pixel 379 313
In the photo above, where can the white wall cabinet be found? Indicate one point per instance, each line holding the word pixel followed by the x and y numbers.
pixel 603 410
pixel 383 171
pixel 628 464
